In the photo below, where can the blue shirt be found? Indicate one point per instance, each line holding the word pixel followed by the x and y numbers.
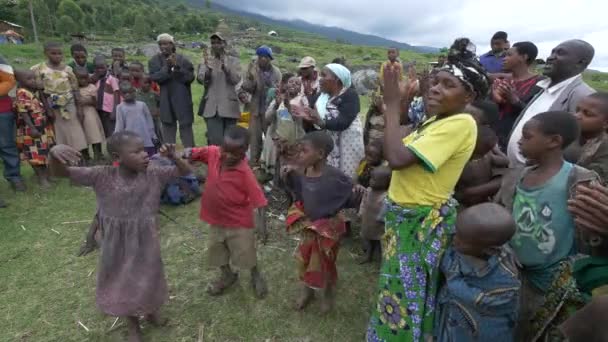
pixel 478 304
pixel 545 228
pixel 492 62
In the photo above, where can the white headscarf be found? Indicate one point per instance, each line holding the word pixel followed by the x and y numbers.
pixel 343 74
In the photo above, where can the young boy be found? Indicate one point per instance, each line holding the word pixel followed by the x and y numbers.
pixel 372 212
pixel 592 116
pixel 79 55
pixel 545 238
pixel 137 75
pixel 134 116
pixel 151 98
pixel 108 96
pixel 394 62
pixel 228 206
pixel 479 299
pixel 118 62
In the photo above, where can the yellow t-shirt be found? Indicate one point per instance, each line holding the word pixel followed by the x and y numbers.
pixel 443 148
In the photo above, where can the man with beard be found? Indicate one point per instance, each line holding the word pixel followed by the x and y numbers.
pixel 562 91
pixel 220 74
pixel 174 73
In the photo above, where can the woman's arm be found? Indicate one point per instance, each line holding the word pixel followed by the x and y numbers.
pixel 395 152
pixel 348 108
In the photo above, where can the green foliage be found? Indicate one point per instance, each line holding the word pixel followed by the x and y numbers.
pixel 68 8
pixel 140 26
pixel 67 25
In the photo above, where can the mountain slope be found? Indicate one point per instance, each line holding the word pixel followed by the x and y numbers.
pixel 334 33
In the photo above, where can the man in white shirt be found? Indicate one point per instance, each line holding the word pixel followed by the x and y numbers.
pixel 562 91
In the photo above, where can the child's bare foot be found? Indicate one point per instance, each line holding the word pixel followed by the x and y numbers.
pixel 259 284
pixel 134 329
pixel 227 279
pixel 156 320
pixel 306 296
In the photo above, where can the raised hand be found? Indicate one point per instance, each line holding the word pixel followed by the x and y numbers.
pixel 392 96
pixel 168 151
pixel 65 155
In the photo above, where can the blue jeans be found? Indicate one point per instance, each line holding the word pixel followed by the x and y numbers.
pixel 8 147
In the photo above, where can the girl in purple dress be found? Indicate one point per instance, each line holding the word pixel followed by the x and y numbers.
pixel 130 280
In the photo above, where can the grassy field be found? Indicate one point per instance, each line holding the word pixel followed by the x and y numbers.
pixel 46 290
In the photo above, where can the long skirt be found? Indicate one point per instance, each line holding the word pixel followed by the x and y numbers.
pixel 69 131
pixel 317 251
pixel 413 244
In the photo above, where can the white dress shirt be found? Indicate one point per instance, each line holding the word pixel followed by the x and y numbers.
pixel 542 104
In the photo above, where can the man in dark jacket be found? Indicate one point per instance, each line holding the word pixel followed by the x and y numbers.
pixel 174 73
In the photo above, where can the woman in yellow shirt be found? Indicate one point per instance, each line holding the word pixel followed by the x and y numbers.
pixel 420 212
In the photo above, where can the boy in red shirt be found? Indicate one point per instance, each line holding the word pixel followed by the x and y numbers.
pixel 229 202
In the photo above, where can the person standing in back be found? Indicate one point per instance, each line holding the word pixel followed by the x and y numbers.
pixel 562 91
pixel 261 77
pixel 8 146
pixel 175 74
pixel 219 73
pixel 493 60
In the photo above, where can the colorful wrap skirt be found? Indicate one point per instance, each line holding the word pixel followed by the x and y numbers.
pixel 317 251
pixel 413 244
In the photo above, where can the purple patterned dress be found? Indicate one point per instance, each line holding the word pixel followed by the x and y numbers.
pixel 130 278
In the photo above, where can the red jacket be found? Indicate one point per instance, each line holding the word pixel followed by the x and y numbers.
pixel 7 82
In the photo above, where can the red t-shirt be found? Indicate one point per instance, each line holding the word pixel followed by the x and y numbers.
pixel 230 196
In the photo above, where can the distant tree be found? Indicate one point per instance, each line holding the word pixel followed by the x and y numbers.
pixel 70 9
pixel 67 25
pixel 444 51
pixel 140 27
pixel 208 4
pixel 193 23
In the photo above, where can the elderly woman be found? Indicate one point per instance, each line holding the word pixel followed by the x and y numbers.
pixel 174 73
pixel 420 213
pixel 337 111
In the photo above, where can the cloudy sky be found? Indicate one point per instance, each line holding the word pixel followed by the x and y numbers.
pixel 437 23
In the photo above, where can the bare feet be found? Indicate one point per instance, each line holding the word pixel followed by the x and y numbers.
pixel 306 296
pixel 134 329
pixel 156 320
pixel 259 284
pixel 227 279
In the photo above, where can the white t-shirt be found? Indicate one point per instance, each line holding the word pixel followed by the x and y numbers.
pixel 542 104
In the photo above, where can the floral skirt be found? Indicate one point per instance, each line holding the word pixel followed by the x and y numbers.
pixel 413 244
pixel 317 251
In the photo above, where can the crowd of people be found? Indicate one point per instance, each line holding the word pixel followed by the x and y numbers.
pixel 479 183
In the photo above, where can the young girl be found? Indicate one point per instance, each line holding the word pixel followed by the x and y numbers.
pixel 420 214
pixel 130 279
pixel 93 129
pixel 62 93
pixel 284 129
pixel 108 95
pixel 132 115
pixel 321 191
pixel 35 135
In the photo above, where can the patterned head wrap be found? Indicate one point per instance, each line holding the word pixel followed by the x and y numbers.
pixel 463 64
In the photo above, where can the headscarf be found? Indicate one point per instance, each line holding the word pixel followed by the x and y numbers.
pixel 264 51
pixel 165 37
pixel 463 64
pixel 343 74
